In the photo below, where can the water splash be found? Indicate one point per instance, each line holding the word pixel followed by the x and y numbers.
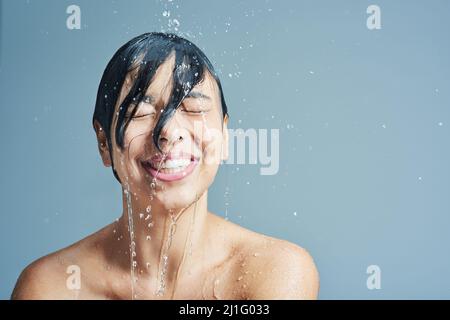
pixel 148 217
pixel 148 210
pixel 165 257
pixel 226 196
pixel 164 261
pixel 192 226
pixel 133 262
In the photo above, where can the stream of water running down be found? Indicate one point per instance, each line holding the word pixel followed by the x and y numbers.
pixel 164 256
pixel 166 247
pixel 132 242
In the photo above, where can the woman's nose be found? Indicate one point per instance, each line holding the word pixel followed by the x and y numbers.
pixel 171 135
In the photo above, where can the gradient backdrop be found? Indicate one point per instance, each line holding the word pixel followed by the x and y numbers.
pixel 363 116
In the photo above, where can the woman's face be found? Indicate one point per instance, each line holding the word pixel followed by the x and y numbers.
pixel 193 142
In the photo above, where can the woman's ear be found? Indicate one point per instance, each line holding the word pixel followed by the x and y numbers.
pixel 102 144
pixel 225 139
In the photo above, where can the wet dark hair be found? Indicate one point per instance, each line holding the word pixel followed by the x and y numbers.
pixel 146 53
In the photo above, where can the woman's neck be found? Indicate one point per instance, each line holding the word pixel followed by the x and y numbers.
pixel 160 242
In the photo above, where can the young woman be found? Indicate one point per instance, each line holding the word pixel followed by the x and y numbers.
pixel 161 124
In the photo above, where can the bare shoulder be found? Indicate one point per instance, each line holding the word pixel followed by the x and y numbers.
pixel 49 277
pixel 283 270
pixel 42 279
pixel 270 268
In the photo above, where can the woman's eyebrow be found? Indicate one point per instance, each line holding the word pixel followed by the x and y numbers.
pixel 196 94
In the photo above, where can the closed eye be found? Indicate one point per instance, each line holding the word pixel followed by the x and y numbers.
pixel 145 109
pixel 143 115
pixel 139 116
pixel 193 111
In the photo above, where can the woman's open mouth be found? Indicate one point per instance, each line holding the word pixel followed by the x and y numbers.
pixel 171 167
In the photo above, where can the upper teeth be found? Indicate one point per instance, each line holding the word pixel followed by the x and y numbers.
pixel 175 163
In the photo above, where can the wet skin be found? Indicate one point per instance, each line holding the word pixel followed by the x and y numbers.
pixel 209 257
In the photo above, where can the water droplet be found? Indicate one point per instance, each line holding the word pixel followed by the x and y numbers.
pixel 175 23
pixel 148 209
pixel 256 254
pixel 240 278
pixel 148 237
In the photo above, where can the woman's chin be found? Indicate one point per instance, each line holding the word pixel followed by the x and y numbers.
pixel 174 199
pixel 168 195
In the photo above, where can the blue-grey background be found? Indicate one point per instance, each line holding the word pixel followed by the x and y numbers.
pixel 363 116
